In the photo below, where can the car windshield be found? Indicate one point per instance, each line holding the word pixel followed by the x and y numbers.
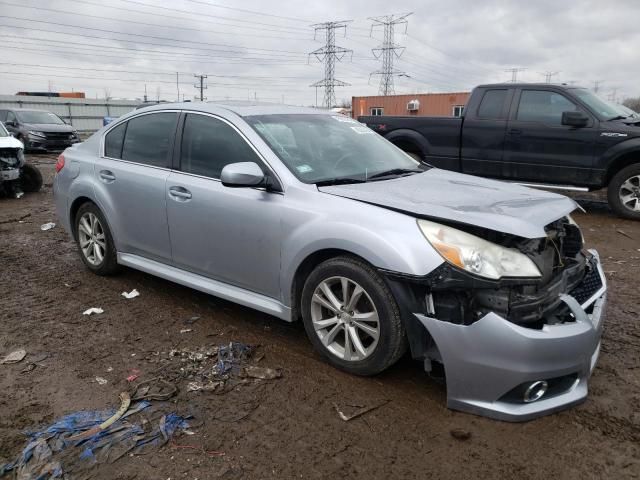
pixel 602 107
pixel 39 117
pixel 3 131
pixel 331 148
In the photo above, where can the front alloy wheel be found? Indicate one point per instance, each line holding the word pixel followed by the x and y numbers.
pixel 351 316
pixel 345 318
pixel 624 192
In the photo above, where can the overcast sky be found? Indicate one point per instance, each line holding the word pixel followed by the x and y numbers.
pixel 85 45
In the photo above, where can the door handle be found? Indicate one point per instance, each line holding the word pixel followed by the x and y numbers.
pixel 179 194
pixel 515 131
pixel 107 176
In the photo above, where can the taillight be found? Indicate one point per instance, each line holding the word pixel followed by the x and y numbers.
pixel 60 163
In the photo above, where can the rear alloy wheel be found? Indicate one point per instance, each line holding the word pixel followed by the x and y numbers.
pixel 624 192
pixel 94 240
pixel 351 317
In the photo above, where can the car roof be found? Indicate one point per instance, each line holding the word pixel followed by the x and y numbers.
pixel 531 84
pixel 241 108
pixel 26 110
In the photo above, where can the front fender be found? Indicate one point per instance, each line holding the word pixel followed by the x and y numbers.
pixel 388 240
pixel 610 157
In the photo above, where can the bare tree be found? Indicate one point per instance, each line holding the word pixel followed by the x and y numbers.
pixel 158 91
pixel 107 93
pixel 345 103
pixel 632 103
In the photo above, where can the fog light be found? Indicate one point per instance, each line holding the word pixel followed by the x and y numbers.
pixel 535 391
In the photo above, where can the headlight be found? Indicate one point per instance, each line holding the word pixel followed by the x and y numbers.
pixel 36 133
pixel 476 255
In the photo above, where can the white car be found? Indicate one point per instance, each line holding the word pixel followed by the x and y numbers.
pixel 16 176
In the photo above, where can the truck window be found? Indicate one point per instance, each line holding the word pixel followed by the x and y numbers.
pixel 543 106
pixel 492 104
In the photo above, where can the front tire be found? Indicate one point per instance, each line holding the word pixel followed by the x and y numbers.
pixel 94 239
pixel 351 317
pixel 623 192
pixel 30 178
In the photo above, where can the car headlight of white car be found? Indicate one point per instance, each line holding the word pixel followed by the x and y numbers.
pixel 35 133
pixel 476 255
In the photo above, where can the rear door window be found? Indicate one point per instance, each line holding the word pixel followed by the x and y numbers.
pixel 3 115
pixel 209 144
pixel 492 104
pixel 113 141
pixel 148 139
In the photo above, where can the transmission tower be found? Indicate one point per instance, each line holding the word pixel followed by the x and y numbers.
pixel 514 73
pixel 548 76
pixel 596 85
pixel 388 50
pixel 201 86
pixel 328 55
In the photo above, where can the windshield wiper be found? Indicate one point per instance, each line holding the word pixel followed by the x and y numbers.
pixel 339 181
pixel 619 117
pixel 395 171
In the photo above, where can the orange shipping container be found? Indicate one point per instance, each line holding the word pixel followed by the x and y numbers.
pixel 421 104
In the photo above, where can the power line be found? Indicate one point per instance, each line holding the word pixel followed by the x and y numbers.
pixel 329 54
pixel 253 12
pixel 152 36
pixel 388 50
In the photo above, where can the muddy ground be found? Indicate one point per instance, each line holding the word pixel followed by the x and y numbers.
pixel 288 428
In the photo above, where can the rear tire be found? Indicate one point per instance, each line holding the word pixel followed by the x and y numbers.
pixel 356 327
pixel 30 178
pixel 94 239
pixel 623 192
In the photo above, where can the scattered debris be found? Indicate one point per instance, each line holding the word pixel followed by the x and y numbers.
pixel 261 373
pixel 134 374
pixel 101 381
pixel 186 330
pixel 19 194
pixel 211 453
pixel 132 294
pixel 460 434
pixel 93 310
pixel 14 357
pixel 360 410
pixel 192 320
pixel 47 226
pixel 623 233
pixel 29 368
pixel 75 443
pixel 110 369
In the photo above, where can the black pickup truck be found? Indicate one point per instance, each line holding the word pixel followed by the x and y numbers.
pixel 536 134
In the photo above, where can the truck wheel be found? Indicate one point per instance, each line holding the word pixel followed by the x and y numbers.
pixel 351 317
pixel 30 178
pixel 624 192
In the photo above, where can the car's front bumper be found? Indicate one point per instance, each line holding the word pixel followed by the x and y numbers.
pixel 42 144
pixel 489 360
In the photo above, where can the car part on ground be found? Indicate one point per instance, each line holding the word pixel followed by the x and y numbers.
pixel 373 251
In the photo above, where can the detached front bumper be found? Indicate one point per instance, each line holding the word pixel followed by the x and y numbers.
pixel 490 363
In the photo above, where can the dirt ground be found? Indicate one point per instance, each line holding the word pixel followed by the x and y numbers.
pixel 288 428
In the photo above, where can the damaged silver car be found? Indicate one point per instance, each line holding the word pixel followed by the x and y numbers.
pixel 309 215
pixel 16 176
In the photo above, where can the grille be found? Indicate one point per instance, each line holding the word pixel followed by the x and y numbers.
pixel 589 285
pixel 58 135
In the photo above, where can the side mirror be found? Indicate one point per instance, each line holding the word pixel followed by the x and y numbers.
pixel 10 123
pixel 575 119
pixel 242 174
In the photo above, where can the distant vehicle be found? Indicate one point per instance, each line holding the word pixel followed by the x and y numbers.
pixel 305 214
pixel 39 130
pixel 533 134
pixel 16 176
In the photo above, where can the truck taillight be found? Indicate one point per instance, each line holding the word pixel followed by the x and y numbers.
pixel 60 163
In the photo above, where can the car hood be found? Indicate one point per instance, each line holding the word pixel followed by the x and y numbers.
pixel 441 194
pixel 49 127
pixel 10 142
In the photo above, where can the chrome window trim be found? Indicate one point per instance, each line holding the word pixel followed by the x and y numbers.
pixel 243 136
pixel 206 114
pixel 101 153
